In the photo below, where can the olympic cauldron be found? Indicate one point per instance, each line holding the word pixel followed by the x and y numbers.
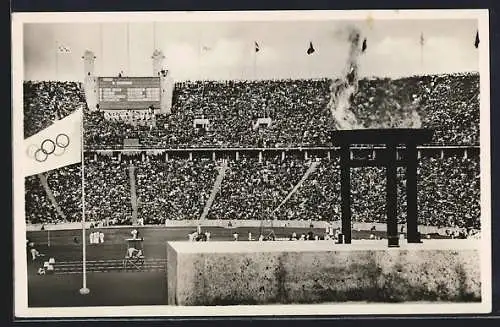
pixel 234 273
pixel 399 149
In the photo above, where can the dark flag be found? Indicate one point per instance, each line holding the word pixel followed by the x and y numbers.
pixel 422 41
pixel 476 42
pixel 257 48
pixel 311 49
pixel 363 47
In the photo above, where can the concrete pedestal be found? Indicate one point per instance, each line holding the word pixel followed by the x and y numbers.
pixel 230 273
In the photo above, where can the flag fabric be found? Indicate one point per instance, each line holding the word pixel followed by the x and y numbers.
pixel 310 50
pixel 205 48
pixel 364 46
pixel 476 42
pixel 56 146
pixel 63 49
pixel 422 39
pixel 257 47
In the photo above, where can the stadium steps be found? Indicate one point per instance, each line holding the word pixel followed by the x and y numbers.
pixel 310 170
pixel 215 190
pixel 76 267
pixel 50 195
pixel 133 193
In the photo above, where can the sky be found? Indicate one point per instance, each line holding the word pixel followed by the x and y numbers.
pixel 393 48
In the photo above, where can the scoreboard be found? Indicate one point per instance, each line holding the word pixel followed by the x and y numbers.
pixel 121 93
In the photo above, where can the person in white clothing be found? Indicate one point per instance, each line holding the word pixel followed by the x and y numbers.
pixel 134 233
pixel 235 236
pixel 249 236
pixel 101 237
pixel 33 251
pixel 207 234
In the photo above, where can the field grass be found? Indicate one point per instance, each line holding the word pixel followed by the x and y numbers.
pixel 118 288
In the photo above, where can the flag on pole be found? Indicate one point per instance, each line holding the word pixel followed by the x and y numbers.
pixel 364 46
pixel 205 48
pixel 58 145
pixel 422 41
pixel 63 49
pixel 311 49
pixel 476 42
pixel 257 47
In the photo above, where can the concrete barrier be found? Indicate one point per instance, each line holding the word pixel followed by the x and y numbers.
pixel 230 273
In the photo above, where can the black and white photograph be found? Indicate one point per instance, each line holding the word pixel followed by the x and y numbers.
pixel 251 163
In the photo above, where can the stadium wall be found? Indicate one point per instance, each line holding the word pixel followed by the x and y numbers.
pixel 238 223
pixel 215 273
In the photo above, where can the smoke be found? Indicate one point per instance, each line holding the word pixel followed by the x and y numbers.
pixel 389 113
pixel 343 90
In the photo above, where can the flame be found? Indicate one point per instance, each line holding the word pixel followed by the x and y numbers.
pixel 342 92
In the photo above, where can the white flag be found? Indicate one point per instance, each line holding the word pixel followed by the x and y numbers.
pixel 56 146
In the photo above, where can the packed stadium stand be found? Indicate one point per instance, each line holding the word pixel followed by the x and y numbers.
pixel 178 189
pixel 65 185
pixel 48 101
pixel 298 109
pixel 448 186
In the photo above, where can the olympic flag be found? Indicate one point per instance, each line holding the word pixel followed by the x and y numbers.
pixel 56 146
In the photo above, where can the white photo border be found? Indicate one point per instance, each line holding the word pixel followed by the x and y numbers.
pixel 21 309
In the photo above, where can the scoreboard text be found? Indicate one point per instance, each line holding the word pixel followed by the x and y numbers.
pixel 128 92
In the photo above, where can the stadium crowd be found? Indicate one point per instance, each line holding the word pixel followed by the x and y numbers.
pixel 48 101
pixel 177 189
pixel 299 113
pixel 448 191
pixel 180 188
pixel 65 185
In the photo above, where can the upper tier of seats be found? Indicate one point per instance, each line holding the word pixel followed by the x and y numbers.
pixel 449 104
pixel 48 101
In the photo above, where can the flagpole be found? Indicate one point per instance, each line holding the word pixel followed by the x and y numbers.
pixel 154 36
pixel 422 52
pixel 422 56
pixel 101 39
pixel 57 60
pixel 84 290
pixel 255 65
pixel 128 49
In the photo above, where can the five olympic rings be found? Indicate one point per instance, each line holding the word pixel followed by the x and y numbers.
pixel 48 147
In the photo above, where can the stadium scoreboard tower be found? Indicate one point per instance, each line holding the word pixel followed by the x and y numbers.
pixel 118 93
pixel 129 93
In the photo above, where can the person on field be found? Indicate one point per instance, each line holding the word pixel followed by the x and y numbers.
pixel 135 234
pixel 33 251
pixel 101 237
